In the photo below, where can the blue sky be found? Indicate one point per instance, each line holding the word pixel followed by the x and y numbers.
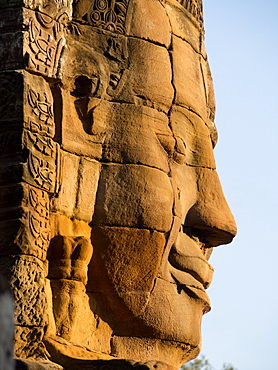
pixel 242 45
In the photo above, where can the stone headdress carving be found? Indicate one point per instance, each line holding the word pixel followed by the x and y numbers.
pixel 108 14
pixel 194 7
pixel 111 15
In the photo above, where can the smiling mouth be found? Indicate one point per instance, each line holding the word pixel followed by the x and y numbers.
pixel 189 268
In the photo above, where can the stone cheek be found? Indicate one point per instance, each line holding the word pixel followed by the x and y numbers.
pixel 133 135
pixel 134 196
pixel 116 266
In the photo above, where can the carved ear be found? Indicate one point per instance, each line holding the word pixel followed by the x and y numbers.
pixel 117 53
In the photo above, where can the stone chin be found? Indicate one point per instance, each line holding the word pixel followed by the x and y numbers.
pixel 153 312
pixel 168 329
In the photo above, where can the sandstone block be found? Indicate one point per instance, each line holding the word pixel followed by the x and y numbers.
pixel 183 24
pixel 194 138
pixel 150 75
pixel 67 194
pixel 28 289
pixel 137 134
pixel 117 250
pixel 187 77
pixel 149 21
pixel 87 187
pixel 134 196
pixel 28 98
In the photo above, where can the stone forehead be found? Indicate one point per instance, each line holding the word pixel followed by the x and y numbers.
pixel 112 15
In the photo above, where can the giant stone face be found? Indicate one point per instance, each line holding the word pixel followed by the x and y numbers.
pixel 137 206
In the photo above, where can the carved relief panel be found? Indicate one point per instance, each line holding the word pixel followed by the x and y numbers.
pixel 106 14
pixel 27 153
pixel 31 40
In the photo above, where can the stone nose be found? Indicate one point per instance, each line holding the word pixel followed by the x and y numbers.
pixel 210 218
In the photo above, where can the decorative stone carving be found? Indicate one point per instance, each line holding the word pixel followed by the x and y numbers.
pixel 109 15
pixel 37 42
pixel 110 200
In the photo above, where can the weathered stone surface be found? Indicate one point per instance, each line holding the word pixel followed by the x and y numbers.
pixel 191 31
pixel 193 136
pixel 68 260
pixel 149 21
pixel 109 199
pixel 115 265
pixel 137 135
pixel 124 193
pixel 28 229
pixel 190 88
pixel 28 289
pixel 24 97
pixel 28 342
pixel 105 16
pixel 54 9
pixel 150 75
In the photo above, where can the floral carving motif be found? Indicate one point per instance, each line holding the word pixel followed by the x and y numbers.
pixel 42 172
pixel 45 44
pixel 42 120
pixel 108 14
pixel 39 217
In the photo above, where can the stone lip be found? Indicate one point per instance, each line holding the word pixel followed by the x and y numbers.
pixel 195 266
pixel 191 286
pixel 188 268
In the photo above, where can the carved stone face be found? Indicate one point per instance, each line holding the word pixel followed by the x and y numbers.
pixel 141 107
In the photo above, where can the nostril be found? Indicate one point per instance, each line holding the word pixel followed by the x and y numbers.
pixel 199 239
pixel 209 237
